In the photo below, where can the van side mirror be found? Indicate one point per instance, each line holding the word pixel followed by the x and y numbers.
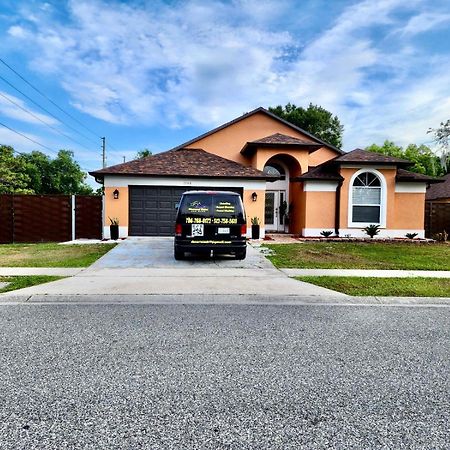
pixel 177 205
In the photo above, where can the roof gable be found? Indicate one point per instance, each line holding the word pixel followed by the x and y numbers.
pixel 264 111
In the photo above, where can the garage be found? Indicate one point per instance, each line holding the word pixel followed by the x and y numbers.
pixel 152 209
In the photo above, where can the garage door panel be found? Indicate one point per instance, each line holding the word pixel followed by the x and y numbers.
pixel 152 208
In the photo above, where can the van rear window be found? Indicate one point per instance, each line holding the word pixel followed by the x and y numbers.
pixel 206 205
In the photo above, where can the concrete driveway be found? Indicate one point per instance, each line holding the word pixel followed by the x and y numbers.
pixel 146 266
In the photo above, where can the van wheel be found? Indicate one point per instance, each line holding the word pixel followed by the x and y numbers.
pixel 178 254
pixel 241 254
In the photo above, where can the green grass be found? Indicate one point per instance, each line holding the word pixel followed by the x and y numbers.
pixel 51 255
pixel 25 281
pixel 384 287
pixel 361 255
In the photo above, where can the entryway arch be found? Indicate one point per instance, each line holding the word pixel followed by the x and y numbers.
pixel 278 193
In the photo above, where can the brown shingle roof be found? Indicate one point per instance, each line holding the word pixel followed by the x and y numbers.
pixel 406 175
pixel 185 162
pixel 323 172
pixel 363 156
pixel 279 139
pixel 439 190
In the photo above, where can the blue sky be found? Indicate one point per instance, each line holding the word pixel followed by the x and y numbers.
pixel 153 74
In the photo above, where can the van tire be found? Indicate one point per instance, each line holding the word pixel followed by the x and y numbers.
pixel 178 254
pixel 241 254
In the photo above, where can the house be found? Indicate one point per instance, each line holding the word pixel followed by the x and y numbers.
pixel 272 164
pixel 439 193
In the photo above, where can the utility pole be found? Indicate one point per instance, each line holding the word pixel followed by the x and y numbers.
pixel 104 151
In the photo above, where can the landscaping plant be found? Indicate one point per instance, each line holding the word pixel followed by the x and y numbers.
pixel 411 235
pixel 372 230
pixel 326 233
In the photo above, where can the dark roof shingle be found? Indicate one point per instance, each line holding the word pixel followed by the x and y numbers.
pixel 184 162
pixel 363 156
pixel 439 190
pixel 279 138
pixel 406 175
pixel 323 172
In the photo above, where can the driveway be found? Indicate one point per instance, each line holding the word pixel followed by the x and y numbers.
pixel 157 253
pixel 145 266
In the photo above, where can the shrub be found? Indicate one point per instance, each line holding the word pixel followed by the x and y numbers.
pixel 326 233
pixel 372 230
pixel 441 237
pixel 411 235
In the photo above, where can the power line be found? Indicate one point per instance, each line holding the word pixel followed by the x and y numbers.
pixel 48 98
pixel 46 110
pixel 43 121
pixel 26 137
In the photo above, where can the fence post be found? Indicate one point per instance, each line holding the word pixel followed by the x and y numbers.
pixel 73 200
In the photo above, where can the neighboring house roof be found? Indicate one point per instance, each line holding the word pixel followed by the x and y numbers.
pixel 280 140
pixel 440 190
pixel 185 162
pixel 251 113
pixel 363 156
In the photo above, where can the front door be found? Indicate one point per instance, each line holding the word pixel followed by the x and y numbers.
pixel 273 221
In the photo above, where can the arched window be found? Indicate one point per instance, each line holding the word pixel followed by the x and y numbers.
pixel 367 199
pixel 275 169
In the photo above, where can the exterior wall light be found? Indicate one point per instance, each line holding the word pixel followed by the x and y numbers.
pixel 254 196
pixel 116 194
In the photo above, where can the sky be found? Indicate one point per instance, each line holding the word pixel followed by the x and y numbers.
pixel 154 74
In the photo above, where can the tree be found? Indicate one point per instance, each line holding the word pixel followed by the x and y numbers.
pixel 423 159
pixel 143 153
pixel 13 179
pixel 37 173
pixel 442 138
pixel 314 119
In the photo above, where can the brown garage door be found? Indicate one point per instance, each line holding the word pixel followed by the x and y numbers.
pixel 152 208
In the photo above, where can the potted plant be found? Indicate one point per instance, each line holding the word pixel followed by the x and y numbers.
pixel 114 228
pixel 255 227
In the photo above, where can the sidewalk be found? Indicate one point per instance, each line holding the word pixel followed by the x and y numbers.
pixel 55 271
pixel 366 273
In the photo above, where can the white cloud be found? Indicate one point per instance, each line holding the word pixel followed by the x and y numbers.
pixel 13 111
pixel 207 62
pixel 424 22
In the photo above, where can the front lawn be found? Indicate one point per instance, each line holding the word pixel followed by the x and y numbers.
pixel 361 255
pixel 25 281
pixel 384 287
pixel 51 255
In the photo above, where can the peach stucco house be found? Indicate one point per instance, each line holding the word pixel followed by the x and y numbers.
pixel 271 163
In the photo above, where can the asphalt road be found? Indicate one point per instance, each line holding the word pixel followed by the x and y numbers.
pixel 224 377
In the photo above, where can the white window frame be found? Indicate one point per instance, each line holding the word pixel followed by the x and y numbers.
pixel 383 201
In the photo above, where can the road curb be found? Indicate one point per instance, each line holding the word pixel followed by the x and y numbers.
pixel 246 299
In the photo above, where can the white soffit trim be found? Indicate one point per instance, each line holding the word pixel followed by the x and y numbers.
pixel 320 186
pixel 124 181
pixel 411 188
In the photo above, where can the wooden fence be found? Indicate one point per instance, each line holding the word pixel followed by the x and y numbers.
pixel 437 218
pixel 49 218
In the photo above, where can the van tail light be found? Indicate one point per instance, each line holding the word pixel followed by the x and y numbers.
pixel 178 229
pixel 243 230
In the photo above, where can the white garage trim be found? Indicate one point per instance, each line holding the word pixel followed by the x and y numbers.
pixel 119 181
